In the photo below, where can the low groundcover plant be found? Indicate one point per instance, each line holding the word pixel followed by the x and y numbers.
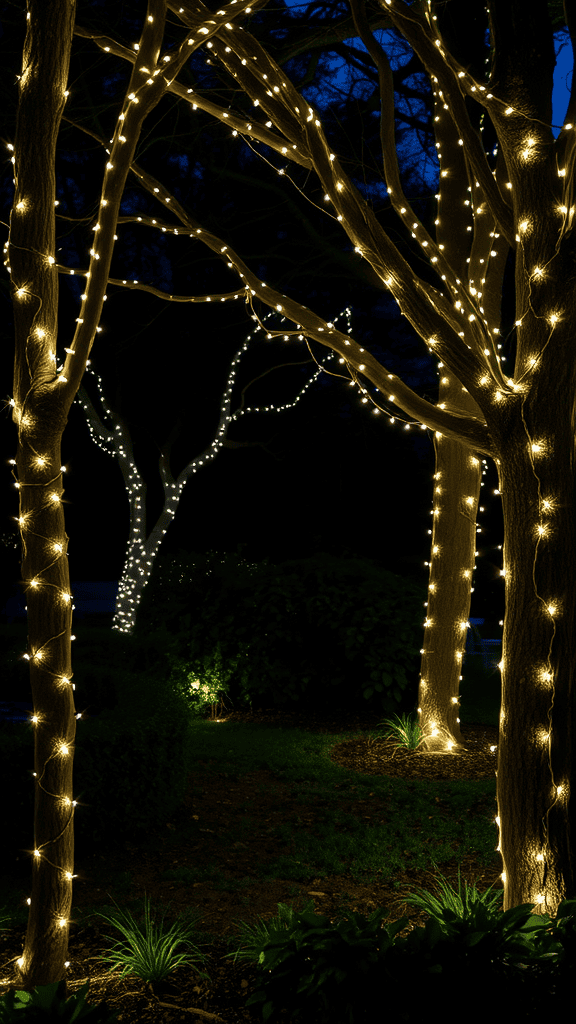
pixel 151 954
pixel 452 900
pixel 49 1003
pixel 339 971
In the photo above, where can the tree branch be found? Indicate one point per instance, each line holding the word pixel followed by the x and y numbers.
pixel 470 431
pixel 445 72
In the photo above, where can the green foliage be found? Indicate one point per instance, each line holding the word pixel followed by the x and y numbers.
pixel 339 970
pixel 406 729
pixel 47 1004
pixel 201 682
pixel 322 630
pixel 310 963
pixel 462 905
pixel 150 953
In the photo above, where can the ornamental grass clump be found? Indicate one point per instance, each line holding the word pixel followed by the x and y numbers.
pixel 151 954
pixel 461 903
pixel 405 729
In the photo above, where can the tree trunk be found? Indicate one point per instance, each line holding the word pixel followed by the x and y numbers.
pixel 45 572
pixel 537 717
pixel 40 411
pixel 454 507
pixel 458 471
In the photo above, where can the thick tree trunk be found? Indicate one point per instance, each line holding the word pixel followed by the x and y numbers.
pixel 537 717
pixel 454 507
pixel 458 471
pixel 40 411
pixel 45 572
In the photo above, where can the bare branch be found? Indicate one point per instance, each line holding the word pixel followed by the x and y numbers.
pixel 142 95
pixel 140 286
pixel 195 99
pixel 421 303
pixel 447 75
pixel 446 267
pixel 470 431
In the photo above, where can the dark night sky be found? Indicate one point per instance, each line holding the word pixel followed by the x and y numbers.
pixel 333 475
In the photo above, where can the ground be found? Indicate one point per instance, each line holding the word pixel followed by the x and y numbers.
pixel 134 870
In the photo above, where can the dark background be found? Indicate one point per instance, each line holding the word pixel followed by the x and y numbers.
pixel 328 474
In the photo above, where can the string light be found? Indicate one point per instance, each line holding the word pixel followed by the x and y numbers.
pixel 461 322
pixel 529 153
pixel 142 549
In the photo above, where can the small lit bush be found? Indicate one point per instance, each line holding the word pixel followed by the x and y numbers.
pixel 201 682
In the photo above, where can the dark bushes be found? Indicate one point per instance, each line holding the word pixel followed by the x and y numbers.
pixel 316 631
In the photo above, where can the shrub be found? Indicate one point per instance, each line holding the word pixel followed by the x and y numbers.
pixel 339 972
pixel 48 1003
pixel 322 630
pixel 130 764
pixel 101 660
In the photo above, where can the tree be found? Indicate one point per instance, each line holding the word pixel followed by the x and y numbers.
pixel 43 394
pixel 143 543
pixel 518 416
pixel 454 303
pixel 41 401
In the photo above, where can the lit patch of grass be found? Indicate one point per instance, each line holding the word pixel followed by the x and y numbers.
pixel 402 821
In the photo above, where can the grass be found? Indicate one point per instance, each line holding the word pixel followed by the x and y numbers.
pixel 384 825
pixel 401 819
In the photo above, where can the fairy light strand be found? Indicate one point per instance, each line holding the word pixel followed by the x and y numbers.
pixel 142 550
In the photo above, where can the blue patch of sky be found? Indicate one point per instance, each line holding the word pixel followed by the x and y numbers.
pixel 562 78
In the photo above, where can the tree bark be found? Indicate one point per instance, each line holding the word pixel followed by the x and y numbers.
pixel 40 412
pixel 455 502
pixel 537 717
pixel 42 398
pixel 457 478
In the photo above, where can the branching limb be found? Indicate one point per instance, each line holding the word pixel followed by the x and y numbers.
pixel 195 99
pixel 422 304
pixel 426 308
pixel 443 72
pixel 140 99
pixel 470 431
pixel 450 272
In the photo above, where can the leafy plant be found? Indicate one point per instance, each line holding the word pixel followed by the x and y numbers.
pixel 205 681
pixel 150 954
pixel 255 937
pixel 325 969
pixel 49 1003
pixel 406 729
pixel 206 694
pixel 310 963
